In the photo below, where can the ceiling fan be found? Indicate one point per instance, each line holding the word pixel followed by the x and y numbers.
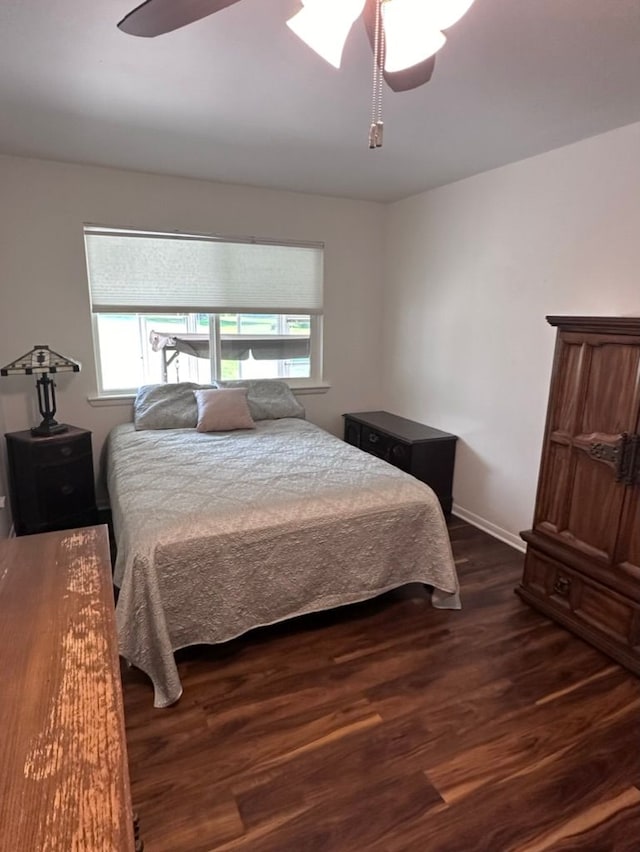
pixel 404 34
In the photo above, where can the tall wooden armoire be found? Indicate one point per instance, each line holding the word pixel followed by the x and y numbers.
pixel 582 566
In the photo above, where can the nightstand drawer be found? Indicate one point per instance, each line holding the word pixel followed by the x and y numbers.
pixel 65 490
pixel 46 451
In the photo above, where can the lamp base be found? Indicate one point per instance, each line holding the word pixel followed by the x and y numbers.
pixel 44 430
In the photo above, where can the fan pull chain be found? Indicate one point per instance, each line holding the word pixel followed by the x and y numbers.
pixel 377 125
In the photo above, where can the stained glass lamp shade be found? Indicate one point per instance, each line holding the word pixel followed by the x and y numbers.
pixel 41 361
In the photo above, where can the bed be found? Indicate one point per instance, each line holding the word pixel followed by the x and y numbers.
pixel 221 532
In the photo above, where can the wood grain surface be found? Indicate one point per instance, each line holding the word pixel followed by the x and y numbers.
pixel 64 782
pixel 393 727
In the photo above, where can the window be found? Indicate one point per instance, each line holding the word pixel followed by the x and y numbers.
pixel 174 307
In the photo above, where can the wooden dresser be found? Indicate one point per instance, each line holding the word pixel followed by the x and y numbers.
pixel 64 781
pixel 582 566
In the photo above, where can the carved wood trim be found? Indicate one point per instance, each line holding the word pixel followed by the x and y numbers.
pixel 612 325
pixel 624 455
pixel 605 452
pixel 614 454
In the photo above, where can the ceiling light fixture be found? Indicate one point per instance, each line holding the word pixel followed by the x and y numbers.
pixel 411 36
pixel 407 32
pixel 325 24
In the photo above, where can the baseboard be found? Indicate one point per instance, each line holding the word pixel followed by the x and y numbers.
pixel 486 526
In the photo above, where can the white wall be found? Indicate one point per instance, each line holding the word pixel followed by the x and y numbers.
pixel 472 269
pixel 43 285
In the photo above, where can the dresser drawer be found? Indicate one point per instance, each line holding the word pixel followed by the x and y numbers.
pixel 374 442
pixel 579 602
pixel 386 447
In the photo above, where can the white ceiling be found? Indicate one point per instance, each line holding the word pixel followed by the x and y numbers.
pixel 236 97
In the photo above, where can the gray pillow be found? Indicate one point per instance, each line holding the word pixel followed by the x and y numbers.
pixel 269 399
pixel 167 406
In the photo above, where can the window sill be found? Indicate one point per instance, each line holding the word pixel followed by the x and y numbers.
pixel 103 400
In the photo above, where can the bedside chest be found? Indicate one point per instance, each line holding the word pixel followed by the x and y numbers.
pixel 51 480
pixel 424 452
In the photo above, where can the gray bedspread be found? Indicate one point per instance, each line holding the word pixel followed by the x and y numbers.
pixel 218 533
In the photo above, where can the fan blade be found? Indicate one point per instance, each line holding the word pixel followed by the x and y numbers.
pixel 408 78
pixel 155 17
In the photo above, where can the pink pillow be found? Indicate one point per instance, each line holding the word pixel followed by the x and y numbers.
pixel 222 410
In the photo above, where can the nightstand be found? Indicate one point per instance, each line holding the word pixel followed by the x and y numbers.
pixel 424 452
pixel 51 480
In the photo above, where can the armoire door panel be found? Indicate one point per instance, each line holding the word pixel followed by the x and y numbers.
pixel 551 507
pixel 612 395
pixel 566 395
pixel 579 499
pixel 627 555
pixel 595 502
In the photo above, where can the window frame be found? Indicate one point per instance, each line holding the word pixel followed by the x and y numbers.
pixel 314 379
pixel 316 328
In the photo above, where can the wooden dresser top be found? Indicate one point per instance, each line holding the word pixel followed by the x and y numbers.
pixel 64 781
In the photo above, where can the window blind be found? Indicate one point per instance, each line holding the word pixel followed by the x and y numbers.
pixel 141 272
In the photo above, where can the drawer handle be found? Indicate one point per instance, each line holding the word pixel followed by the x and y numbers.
pixel 373 438
pixel 562 586
pixel 66 451
pixel 67 489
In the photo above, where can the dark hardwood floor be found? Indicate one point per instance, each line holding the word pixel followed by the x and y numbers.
pixel 393 727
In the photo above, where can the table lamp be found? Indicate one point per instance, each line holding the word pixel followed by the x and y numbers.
pixel 41 361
